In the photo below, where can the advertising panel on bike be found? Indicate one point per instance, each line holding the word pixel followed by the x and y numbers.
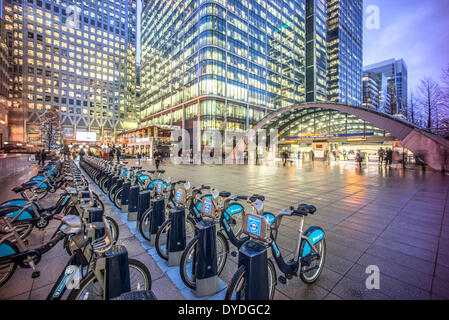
pixel 159 187
pixel 180 196
pixel 255 226
pixel 208 208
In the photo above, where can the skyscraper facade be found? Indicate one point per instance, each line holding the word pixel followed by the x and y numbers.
pixel 396 73
pixel 227 62
pixel 375 91
pixel 345 51
pixel 4 86
pixel 75 57
pixel 316 55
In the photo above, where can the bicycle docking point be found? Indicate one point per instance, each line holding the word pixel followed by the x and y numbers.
pixel 177 239
pixel 254 256
pixel 157 218
pixel 206 265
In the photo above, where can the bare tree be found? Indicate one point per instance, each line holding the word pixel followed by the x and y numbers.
pixel 429 97
pixel 51 129
pixel 412 108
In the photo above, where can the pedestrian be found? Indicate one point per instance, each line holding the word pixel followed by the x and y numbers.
pixel 359 158
pixel 157 159
pixel 344 155
pixel 381 154
pixel 42 157
pixel 82 153
pixel 389 157
pixel 111 154
pixel 118 153
pixel 139 156
pixel 284 157
pixel 37 156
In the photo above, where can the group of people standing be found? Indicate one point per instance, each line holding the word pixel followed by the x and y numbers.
pixel 385 156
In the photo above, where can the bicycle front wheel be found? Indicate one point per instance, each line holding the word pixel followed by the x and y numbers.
pixel 238 284
pixel 90 288
pixel 163 236
pixel 7 269
pixel 145 224
pixel 187 265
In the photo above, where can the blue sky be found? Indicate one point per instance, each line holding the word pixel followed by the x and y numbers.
pixel 415 30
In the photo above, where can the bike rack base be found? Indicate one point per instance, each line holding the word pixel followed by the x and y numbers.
pixel 174 258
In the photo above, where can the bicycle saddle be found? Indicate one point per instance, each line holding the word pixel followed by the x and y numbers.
pixel 255 197
pixel 72 191
pixel 160 171
pixel 307 208
pixel 151 171
pixel 23 187
pixel 224 194
pixel 71 224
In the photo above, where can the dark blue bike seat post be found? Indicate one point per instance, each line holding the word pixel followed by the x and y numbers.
pixel 206 264
pixel 253 255
pixel 133 202
pixel 177 239
pixel 125 196
pixel 157 218
pixel 143 204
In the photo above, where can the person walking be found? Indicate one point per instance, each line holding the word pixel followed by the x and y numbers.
pixel 139 156
pixel 359 158
pixel 118 154
pixel 42 158
pixel 381 154
pixel 111 154
pixel 157 159
pixel 389 157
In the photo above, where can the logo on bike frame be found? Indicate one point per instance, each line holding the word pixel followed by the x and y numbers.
pixel 254 225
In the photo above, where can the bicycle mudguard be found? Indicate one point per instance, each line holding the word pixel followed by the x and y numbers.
pixel 27 214
pixel 314 234
pixel 233 208
pixel 6 250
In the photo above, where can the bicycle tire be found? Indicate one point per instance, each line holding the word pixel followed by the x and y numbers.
pixel 186 253
pixel 118 198
pixel 167 224
pixel 76 294
pixel 144 223
pixel 239 276
pixel 12 265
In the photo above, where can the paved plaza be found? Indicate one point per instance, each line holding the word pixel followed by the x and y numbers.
pixel 394 219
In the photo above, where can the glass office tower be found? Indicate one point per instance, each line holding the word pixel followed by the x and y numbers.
pixel 397 76
pixel 76 57
pixel 345 51
pixel 227 62
pixel 316 56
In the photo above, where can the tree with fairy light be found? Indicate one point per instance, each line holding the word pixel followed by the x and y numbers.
pixel 51 130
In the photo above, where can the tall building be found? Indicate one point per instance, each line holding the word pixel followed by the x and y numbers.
pixel 396 73
pixel 345 51
pixel 75 57
pixel 375 91
pixel 316 56
pixel 226 62
pixel 4 85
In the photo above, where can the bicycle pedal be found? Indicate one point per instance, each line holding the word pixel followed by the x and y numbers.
pixel 282 280
pixel 35 274
pixel 234 254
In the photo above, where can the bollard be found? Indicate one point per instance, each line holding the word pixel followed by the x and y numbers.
pixel 143 204
pixel 157 218
pixel 125 196
pixel 133 202
pixel 254 256
pixel 117 279
pixel 177 238
pixel 206 265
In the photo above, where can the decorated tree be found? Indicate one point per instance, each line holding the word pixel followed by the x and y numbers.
pixel 51 130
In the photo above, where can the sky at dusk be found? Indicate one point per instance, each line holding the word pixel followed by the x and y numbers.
pixel 415 30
